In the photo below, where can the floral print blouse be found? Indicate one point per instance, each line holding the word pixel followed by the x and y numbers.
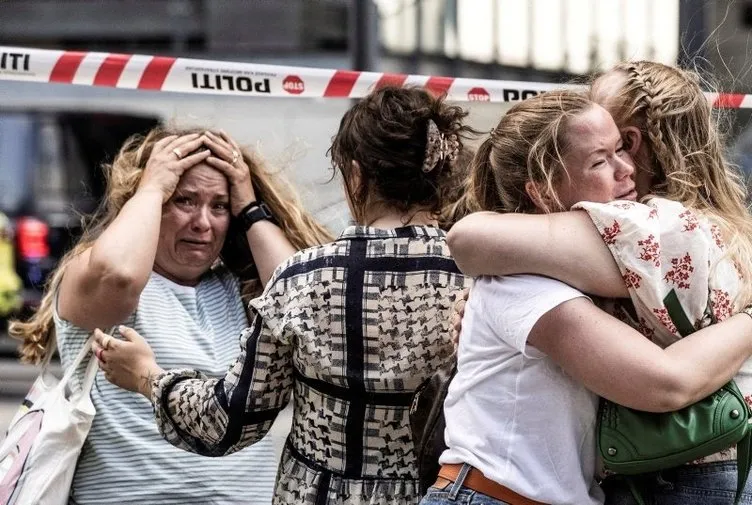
pixel 671 256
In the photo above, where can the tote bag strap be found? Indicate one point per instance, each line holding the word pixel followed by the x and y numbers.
pixel 49 352
pixel 91 374
pixel 44 366
pixel 51 346
pixel 91 369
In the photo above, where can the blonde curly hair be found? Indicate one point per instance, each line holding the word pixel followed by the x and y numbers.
pixel 123 176
pixel 688 164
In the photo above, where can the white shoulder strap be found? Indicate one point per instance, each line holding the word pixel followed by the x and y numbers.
pixel 91 369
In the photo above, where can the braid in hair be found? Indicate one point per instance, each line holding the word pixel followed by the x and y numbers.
pixel 686 146
pixel 652 105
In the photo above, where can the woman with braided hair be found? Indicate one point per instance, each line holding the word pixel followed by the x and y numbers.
pixel 350 328
pixel 690 237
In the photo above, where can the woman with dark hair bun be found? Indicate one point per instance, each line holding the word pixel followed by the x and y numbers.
pixel 352 327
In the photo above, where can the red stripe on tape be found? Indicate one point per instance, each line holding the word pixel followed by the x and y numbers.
pixel 341 83
pixel 66 66
pixel 391 80
pixel 110 70
pixel 439 85
pixel 156 72
pixel 728 101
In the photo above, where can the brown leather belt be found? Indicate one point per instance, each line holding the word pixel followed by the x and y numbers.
pixel 476 481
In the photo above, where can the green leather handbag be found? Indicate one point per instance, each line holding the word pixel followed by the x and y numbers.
pixel 633 442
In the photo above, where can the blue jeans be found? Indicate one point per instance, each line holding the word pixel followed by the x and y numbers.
pixel 457 494
pixel 707 484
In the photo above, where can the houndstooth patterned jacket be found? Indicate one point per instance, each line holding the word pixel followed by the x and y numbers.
pixel 351 329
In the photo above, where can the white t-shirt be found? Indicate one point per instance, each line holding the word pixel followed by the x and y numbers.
pixel 511 412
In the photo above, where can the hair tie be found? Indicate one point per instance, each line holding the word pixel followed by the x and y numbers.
pixel 439 147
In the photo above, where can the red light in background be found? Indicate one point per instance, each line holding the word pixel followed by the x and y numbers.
pixel 31 237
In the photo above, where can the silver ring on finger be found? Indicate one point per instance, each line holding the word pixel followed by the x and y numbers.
pixel 178 153
pixel 235 157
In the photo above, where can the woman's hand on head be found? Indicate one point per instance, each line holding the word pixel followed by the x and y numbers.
pixel 169 159
pixel 227 157
pixel 128 363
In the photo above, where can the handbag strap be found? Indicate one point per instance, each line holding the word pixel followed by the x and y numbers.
pixel 744 446
pixel 636 494
pixel 677 314
pixel 743 464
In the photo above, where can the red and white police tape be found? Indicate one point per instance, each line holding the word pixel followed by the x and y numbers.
pixel 187 75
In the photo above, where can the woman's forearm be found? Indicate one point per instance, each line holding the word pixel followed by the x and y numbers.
pixel 269 246
pixel 705 360
pixel 564 246
pixel 191 414
pixel 616 362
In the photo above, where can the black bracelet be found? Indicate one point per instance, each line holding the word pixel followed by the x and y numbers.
pixel 252 204
pixel 254 212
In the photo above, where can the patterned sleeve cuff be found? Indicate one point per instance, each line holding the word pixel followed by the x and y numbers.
pixel 161 387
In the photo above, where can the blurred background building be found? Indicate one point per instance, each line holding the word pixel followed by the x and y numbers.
pixel 54 137
pixel 541 40
pixel 522 38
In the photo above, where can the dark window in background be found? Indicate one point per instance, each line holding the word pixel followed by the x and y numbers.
pixel 100 137
pixel 50 175
pixel 50 162
pixel 747 15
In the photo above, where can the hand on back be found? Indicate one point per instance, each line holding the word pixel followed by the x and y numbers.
pixel 457 314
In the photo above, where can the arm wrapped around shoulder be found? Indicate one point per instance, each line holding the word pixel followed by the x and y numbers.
pixel 667 252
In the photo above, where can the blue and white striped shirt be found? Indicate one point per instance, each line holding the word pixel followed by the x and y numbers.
pixel 125 460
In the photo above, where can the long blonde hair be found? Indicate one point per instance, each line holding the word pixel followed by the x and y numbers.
pixel 677 122
pixel 526 146
pixel 123 176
